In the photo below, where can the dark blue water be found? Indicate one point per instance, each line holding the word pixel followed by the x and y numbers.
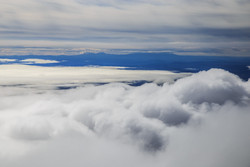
pixel 150 61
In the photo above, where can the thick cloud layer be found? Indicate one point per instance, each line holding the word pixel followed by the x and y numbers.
pixel 200 120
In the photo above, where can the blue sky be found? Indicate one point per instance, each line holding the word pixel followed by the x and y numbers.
pixel 183 26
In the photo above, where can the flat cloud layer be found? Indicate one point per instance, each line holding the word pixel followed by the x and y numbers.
pixel 200 120
pixel 38 61
pixel 7 60
pixel 27 75
pixel 184 25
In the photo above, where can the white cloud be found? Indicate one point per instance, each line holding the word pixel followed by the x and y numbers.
pixel 15 74
pixel 200 120
pixel 227 87
pixel 46 51
pixel 38 61
pixel 7 60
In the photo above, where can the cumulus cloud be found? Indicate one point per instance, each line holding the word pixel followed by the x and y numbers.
pixel 227 87
pixel 200 120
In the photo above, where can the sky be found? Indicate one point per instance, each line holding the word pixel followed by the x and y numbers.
pixel 205 27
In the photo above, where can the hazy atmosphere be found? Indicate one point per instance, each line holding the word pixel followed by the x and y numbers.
pixel 136 83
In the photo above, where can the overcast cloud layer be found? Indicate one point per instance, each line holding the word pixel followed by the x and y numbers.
pixel 221 26
pixel 200 120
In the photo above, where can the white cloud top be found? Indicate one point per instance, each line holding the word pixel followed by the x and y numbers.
pixel 200 120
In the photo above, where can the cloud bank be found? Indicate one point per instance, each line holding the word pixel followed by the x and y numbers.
pixel 36 76
pixel 200 120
